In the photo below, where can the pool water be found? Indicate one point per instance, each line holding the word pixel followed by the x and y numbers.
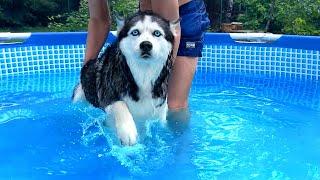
pixel 242 127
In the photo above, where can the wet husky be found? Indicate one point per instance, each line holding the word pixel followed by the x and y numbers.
pixel 130 80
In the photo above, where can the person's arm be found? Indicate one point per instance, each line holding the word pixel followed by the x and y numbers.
pixel 98 28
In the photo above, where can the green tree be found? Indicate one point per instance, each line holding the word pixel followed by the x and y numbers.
pixel 39 10
pixel 123 7
pixel 72 21
pixel 78 20
pixel 255 15
pixel 297 17
pixel 21 13
pixel 281 16
pixel 14 13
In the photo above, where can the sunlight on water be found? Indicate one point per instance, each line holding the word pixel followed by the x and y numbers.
pixel 17 114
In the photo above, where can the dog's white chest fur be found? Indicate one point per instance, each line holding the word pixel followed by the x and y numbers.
pixel 147 108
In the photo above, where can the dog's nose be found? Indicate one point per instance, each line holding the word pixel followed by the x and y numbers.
pixel 146 46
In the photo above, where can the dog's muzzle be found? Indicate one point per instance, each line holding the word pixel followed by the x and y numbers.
pixel 146 47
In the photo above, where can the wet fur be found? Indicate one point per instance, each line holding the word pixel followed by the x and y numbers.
pixel 107 80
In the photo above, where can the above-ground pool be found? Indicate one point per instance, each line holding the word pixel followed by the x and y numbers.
pixel 255 114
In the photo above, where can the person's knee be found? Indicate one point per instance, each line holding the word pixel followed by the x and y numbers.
pixel 178 120
pixel 176 104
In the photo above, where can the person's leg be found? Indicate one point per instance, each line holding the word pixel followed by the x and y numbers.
pixel 178 92
pixel 180 81
pixel 145 5
pixel 194 22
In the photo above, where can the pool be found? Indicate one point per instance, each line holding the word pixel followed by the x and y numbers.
pixel 255 115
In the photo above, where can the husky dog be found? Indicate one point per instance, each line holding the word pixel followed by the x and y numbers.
pixel 130 80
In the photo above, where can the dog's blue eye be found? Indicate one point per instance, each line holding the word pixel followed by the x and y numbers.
pixel 157 33
pixel 135 32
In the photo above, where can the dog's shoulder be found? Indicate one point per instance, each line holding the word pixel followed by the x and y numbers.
pixel 88 76
pixel 115 79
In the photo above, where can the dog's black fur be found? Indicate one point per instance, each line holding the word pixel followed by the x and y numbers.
pixel 108 79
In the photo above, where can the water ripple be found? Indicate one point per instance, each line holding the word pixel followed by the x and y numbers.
pixel 17 114
pixel 7 105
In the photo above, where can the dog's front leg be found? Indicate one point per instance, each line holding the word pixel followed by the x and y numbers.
pixel 124 123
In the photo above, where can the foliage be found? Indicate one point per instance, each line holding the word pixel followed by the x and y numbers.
pixel 73 21
pixel 254 16
pixel 287 16
pixel 21 13
pixel 78 20
pixel 123 7
pixel 1 14
pixel 276 16
pixel 301 17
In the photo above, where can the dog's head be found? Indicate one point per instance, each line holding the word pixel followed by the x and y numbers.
pixel 147 38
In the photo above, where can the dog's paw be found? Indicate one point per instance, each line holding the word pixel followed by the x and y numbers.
pixel 127 132
pixel 124 123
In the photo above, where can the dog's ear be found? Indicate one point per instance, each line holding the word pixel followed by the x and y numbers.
pixel 119 22
pixel 174 25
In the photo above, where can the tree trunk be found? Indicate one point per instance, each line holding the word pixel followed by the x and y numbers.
pixel 229 8
pixel 213 9
pixel 271 15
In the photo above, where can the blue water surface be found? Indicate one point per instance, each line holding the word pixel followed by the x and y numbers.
pixel 242 127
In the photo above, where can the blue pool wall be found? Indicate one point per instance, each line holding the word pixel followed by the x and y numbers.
pixel 291 56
